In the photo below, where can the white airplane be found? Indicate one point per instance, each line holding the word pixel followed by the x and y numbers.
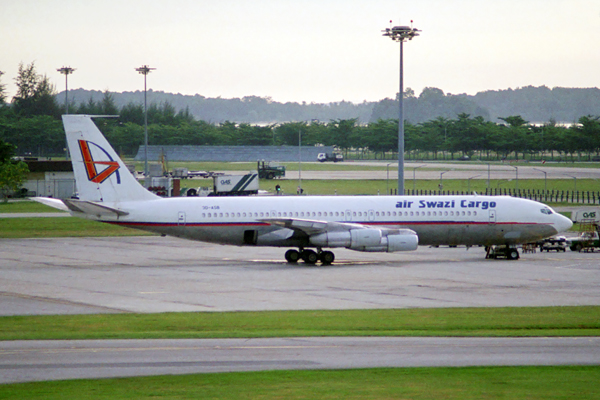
pixel 109 193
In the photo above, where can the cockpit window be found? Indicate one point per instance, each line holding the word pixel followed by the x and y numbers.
pixel 547 211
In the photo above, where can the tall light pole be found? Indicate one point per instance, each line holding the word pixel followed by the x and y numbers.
pixel 299 191
pixel 415 176
pixel 469 183
pixel 574 177
pixel 66 71
pixel 145 70
pixel 545 180
pixel 387 182
pixel 441 181
pixel 401 34
pixel 517 176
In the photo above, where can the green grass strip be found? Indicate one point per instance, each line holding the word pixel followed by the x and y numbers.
pixel 17 228
pixel 515 383
pixel 25 206
pixel 510 322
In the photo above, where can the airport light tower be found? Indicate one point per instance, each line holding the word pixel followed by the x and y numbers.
pixel 401 34
pixel 66 71
pixel 145 70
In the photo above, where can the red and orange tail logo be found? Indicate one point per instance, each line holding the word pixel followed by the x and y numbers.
pixel 90 165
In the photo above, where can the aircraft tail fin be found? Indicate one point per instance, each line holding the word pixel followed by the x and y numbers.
pixel 100 175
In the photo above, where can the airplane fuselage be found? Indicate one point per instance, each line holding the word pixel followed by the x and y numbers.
pixel 437 220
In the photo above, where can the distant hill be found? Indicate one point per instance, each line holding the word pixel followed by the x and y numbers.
pixel 541 104
pixel 534 104
pixel 250 109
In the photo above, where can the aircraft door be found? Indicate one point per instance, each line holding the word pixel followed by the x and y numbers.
pixel 371 215
pixel 492 216
pixel 348 215
pixel 181 218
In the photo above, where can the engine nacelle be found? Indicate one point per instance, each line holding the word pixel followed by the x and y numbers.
pixel 354 238
pixel 391 243
pixel 368 240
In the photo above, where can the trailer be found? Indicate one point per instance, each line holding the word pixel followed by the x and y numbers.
pixel 235 185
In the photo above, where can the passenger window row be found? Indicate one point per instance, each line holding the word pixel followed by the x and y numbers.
pixel 308 214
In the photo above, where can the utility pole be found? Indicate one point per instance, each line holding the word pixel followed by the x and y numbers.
pixel 66 71
pixel 145 70
pixel 401 34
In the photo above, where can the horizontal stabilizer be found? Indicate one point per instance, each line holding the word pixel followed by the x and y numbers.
pixel 52 202
pixel 91 208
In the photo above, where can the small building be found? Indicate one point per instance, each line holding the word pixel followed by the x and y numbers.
pixel 50 179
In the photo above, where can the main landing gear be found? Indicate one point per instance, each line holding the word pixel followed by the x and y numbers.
pixel 309 256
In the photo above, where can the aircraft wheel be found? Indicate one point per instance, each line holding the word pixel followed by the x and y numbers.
pixel 512 254
pixel 309 256
pixel 327 257
pixel 292 256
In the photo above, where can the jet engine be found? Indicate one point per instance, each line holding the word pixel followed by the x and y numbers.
pixel 368 240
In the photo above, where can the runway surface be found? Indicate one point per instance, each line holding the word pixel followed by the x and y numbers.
pixel 156 274
pixel 159 274
pixel 23 361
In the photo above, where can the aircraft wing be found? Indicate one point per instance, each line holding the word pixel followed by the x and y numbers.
pixel 350 235
pixel 311 227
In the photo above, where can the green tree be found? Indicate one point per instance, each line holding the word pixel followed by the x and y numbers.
pixel 2 90
pixel 107 104
pixel 288 133
pixel 12 173
pixel 132 113
pixel 341 133
pixel 35 94
pixel 90 108
pixel 382 136
pixel 589 133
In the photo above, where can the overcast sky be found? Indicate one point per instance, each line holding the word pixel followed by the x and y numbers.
pixel 302 50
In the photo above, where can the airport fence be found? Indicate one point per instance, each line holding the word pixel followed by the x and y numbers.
pixel 546 196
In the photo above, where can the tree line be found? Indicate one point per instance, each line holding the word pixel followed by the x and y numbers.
pixel 31 122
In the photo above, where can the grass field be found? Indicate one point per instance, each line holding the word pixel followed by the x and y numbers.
pixel 515 383
pixel 526 321
pixel 25 206
pixel 17 228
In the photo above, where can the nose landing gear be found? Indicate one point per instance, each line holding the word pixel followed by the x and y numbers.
pixel 309 256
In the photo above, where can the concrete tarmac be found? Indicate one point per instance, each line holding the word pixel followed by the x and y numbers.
pixel 24 361
pixel 161 274
pixel 156 274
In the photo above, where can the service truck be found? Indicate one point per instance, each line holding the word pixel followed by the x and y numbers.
pixel 235 185
pixel 270 170
pixel 335 157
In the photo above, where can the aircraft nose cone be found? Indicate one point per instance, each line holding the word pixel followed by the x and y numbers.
pixel 562 223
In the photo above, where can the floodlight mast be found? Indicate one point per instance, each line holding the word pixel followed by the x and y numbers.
pixel 401 34
pixel 66 71
pixel 145 70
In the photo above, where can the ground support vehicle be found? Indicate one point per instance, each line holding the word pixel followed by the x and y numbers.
pixel 558 243
pixel 268 170
pixel 335 157
pixel 588 239
pixel 502 251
